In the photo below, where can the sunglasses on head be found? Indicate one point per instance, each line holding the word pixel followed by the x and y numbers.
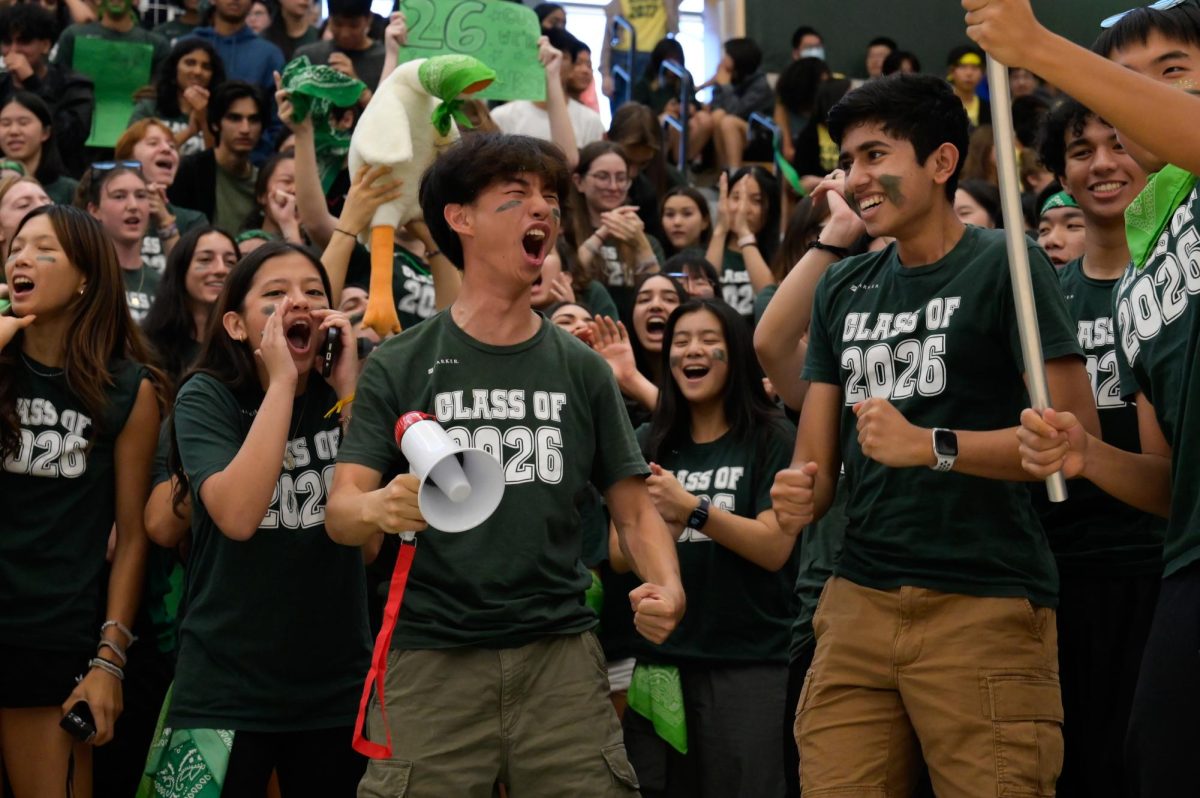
pixel 1161 5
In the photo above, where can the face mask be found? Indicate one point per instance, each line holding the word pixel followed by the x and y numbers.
pixel 813 52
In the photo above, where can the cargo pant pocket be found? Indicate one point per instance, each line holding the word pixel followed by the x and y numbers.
pixel 619 766
pixel 1026 712
pixel 385 778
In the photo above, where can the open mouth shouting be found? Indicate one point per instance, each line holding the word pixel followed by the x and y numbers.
pixel 21 286
pixel 536 243
pixel 656 324
pixel 694 373
pixel 299 334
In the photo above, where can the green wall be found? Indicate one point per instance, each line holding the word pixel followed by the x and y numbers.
pixel 928 28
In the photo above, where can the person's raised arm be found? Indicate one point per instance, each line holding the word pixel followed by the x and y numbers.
pixel 561 131
pixel 447 279
pixel 395 36
pixel 607 84
pixel 715 254
pixel 370 188
pixel 611 340
pixel 1055 441
pixel 318 222
pixel 1149 112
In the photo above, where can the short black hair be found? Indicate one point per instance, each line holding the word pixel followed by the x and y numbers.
pixel 465 170
pixel 884 41
pixel 226 95
pixel 801 32
pixel 567 43
pixel 1179 24
pixel 956 54
pixel 747 57
pixel 349 8
pixel 27 22
pixel 921 109
pixel 1067 116
pixel 896 58
pixel 1028 113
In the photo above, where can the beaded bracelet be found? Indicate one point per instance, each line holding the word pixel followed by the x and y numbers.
pixel 122 628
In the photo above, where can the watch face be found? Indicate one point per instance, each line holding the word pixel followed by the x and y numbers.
pixel 945 443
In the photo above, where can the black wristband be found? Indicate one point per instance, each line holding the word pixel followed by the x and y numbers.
pixel 840 252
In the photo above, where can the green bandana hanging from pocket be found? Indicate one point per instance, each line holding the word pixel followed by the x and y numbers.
pixel 1150 212
pixel 656 693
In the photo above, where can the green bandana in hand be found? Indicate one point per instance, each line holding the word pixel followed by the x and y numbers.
pixel 656 693
pixel 1059 199
pixel 446 77
pixel 316 90
pixel 1150 212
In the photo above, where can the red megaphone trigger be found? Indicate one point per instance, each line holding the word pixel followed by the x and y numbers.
pixel 407 420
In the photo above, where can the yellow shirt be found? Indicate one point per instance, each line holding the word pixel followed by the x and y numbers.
pixel 649 19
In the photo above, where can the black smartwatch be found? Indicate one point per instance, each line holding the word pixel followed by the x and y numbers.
pixel 945 449
pixel 699 516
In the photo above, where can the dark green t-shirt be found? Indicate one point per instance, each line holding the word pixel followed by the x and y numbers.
pixel 61 190
pixel 60 492
pixel 174 30
pixel 550 411
pixel 154 254
pixel 274 637
pixel 412 283
pixel 736 289
pixel 1092 529
pixel 620 285
pixel 762 300
pixel 1158 336
pixel 235 199
pixel 598 300
pixel 940 342
pixel 737 611
pixel 141 286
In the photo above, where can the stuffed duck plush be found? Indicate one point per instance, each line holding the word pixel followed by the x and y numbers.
pixel 410 119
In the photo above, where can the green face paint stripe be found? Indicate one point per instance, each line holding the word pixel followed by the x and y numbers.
pixel 719 354
pixel 46 259
pixel 556 213
pixel 508 206
pixel 268 310
pixel 891 186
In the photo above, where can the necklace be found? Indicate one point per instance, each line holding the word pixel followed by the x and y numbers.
pixel 48 375
pixel 289 460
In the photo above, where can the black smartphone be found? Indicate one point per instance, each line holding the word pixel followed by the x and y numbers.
pixel 79 722
pixel 333 338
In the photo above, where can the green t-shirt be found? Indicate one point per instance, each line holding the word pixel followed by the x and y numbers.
pixel 62 190
pixel 274 637
pixel 820 544
pixel 141 286
pixel 940 342
pixel 619 285
pixel 174 30
pixel 163 588
pixel 64 52
pixel 412 283
pixel 549 410
pixel 60 487
pixel 736 289
pixel 1092 529
pixel 762 300
pixel 235 199
pixel 737 611
pixel 598 300
pixel 1158 332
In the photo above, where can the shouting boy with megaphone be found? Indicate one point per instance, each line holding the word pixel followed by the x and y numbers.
pixel 496 674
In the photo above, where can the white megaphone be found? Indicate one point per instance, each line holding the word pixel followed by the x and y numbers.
pixel 460 487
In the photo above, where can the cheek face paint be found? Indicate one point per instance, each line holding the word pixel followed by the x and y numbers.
pixel 46 259
pixel 556 213
pixel 719 354
pixel 674 361
pixel 508 206
pixel 891 187
pixel 268 310
pixel 851 201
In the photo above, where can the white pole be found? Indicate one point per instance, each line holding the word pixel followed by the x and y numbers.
pixel 1018 255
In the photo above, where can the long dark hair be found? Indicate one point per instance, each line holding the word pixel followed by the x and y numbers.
pixel 701 203
pixel 642 358
pixel 748 411
pixel 228 361
pixel 768 236
pixel 103 330
pixel 166 84
pixel 50 164
pixel 170 323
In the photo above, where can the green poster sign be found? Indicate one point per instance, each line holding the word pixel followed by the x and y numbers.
pixel 502 35
pixel 118 69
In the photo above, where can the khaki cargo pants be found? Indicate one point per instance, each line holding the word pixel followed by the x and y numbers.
pixel 537 718
pixel 969 683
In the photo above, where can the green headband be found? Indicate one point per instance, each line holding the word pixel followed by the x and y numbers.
pixel 446 77
pixel 1060 199
pixel 250 235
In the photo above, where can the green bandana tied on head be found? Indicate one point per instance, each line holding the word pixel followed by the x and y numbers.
pixel 446 77
pixel 316 90
pixel 1150 212
pixel 1060 199
pixel 656 693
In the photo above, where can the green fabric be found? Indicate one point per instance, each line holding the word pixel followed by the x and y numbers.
pixel 185 763
pixel 619 284
pixel 235 199
pixel 736 288
pixel 941 342
pixel 63 483
pixel 762 300
pixel 1059 199
pixel 593 597
pixel 141 286
pixel 64 50
pixel 599 300
pixel 275 636
pixel 174 30
pixel 749 619
pixel 1091 529
pixel 61 190
pixel 250 235
pixel 1147 216
pixel 656 693
pixel 1158 336
pixel 551 412
pixel 786 169
pixel 446 77
pixel 316 90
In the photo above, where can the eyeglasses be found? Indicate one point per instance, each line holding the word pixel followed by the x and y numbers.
pixel 604 178
pixel 1161 5
pixel 108 166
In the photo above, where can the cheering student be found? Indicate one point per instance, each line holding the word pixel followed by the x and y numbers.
pixel 256 430
pixel 714 444
pixel 495 673
pixel 1152 54
pixel 1109 554
pixel 118 196
pixel 945 585
pixel 78 419
pixel 745 236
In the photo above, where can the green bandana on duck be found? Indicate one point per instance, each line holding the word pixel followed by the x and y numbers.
pixel 446 77
pixel 1060 199
pixel 1150 212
